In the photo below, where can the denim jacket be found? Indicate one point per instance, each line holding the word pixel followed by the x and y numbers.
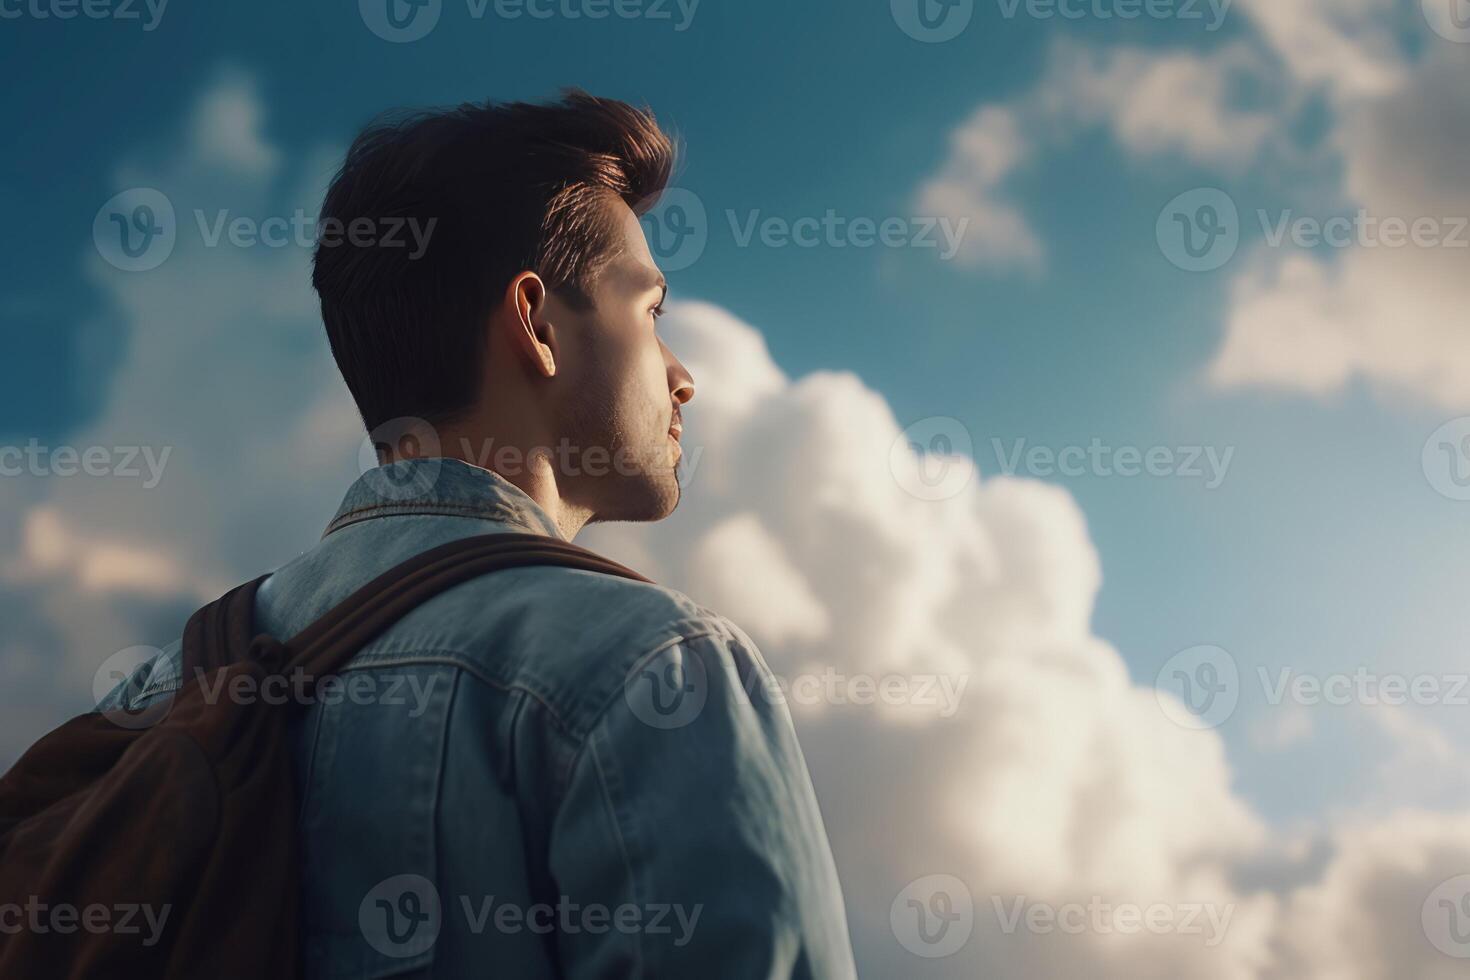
pixel 543 772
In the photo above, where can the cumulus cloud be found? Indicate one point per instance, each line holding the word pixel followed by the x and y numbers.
pixel 1392 315
pixel 1151 102
pixel 1058 778
pixel 1396 102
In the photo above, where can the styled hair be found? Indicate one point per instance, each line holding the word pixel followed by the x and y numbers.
pixel 491 190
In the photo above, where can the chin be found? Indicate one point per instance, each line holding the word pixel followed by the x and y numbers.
pixel 642 499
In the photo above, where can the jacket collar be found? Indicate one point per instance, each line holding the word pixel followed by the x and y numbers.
pixel 442 486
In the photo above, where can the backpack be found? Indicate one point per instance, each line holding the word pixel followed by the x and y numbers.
pixel 170 851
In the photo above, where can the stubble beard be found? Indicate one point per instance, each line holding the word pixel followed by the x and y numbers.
pixel 639 478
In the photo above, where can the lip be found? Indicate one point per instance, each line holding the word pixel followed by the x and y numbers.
pixel 676 430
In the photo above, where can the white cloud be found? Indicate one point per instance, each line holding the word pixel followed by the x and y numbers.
pixel 1394 317
pixel 1151 102
pixel 1158 102
pixel 1281 729
pixel 225 129
pixel 983 153
pixel 1365 918
pixel 1344 46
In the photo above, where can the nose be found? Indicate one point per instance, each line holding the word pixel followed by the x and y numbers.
pixel 681 384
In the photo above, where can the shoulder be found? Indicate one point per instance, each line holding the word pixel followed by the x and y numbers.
pixel 576 639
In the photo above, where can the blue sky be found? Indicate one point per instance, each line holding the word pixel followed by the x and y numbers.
pixel 1326 546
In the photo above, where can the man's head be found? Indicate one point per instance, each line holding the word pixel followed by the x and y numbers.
pixel 527 321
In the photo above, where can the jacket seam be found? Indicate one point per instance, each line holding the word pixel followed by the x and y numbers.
pixel 499 513
pixel 601 713
pixel 617 827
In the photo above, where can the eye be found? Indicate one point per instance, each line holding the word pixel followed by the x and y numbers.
pixel 657 311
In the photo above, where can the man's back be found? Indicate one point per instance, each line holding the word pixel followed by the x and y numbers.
pixel 542 772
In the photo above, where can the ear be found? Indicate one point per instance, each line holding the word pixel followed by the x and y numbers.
pixel 531 332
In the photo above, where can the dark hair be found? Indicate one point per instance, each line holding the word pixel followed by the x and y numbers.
pixel 509 187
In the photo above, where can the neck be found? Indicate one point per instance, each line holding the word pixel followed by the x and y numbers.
pixel 527 463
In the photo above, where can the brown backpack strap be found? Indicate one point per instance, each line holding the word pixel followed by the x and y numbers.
pixel 216 635
pixel 221 632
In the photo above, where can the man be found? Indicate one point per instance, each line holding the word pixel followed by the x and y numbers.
pixel 543 772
